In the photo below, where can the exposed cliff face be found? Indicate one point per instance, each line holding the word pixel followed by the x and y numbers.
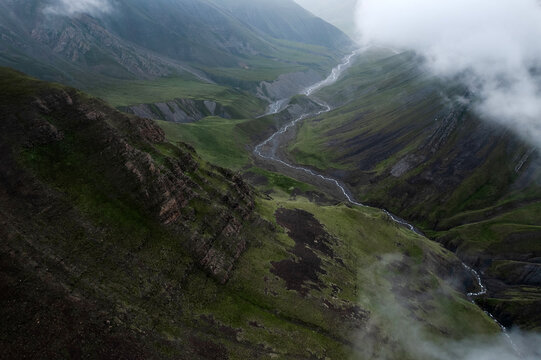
pixel 287 85
pixel 179 110
pixel 86 43
pixel 127 157
pixel 104 226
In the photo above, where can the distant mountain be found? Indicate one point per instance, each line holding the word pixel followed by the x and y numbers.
pixel 145 39
pixel 285 19
pixel 339 13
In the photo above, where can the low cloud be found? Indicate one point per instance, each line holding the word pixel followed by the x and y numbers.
pixel 491 45
pixel 75 7
pixel 394 331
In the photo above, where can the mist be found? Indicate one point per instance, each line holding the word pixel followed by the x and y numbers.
pixel 338 13
pixel 492 46
pixel 74 7
pixel 408 337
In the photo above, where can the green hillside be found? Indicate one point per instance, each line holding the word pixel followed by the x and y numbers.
pixel 400 142
pixel 153 205
pixel 118 243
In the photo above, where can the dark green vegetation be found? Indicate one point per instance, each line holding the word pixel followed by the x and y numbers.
pixel 401 140
pixel 117 243
pixel 217 140
pixel 272 182
pixel 121 239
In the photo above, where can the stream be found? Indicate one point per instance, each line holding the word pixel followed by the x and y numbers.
pixel 268 148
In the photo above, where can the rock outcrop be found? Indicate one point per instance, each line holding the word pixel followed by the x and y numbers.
pixel 206 207
pixel 287 85
pixel 179 110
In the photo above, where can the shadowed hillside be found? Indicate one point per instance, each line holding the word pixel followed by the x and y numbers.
pixel 404 141
pixel 119 244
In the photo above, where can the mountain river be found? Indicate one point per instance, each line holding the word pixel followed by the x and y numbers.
pixel 268 150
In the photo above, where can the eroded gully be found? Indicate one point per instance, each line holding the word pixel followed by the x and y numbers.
pixel 267 150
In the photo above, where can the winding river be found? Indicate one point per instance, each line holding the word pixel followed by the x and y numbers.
pixel 268 150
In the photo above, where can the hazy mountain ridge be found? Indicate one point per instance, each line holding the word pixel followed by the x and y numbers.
pixel 341 15
pixel 284 19
pixel 140 39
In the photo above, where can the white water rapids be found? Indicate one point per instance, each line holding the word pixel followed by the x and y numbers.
pixel 267 150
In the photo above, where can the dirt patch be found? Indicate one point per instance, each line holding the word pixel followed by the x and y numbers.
pixel 255 179
pixel 297 273
pixel 305 229
pixel 302 274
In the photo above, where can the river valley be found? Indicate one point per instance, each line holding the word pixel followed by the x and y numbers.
pixel 268 150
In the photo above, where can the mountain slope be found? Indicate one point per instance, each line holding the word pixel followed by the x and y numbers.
pixel 117 243
pixel 400 141
pixel 141 40
pixel 341 15
pixel 284 19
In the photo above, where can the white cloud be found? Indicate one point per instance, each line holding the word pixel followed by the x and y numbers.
pixel 493 45
pixel 73 7
pixel 393 318
pixel 339 13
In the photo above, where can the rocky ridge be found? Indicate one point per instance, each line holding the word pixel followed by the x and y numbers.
pixel 179 110
pixel 125 151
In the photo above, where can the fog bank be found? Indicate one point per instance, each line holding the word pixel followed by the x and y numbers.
pixel 339 13
pixel 73 7
pixel 491 45
pixel 394 318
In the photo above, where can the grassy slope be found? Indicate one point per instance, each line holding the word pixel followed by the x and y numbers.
pixel 256 303
pixel 226 142
pixel 125 93
pixel 216 140
pixel 368 102
pixel 364 236
pixel 80 236
pixel 288 57
pixel 477 205
pixel 386 111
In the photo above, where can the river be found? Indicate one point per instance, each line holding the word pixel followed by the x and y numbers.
pixel 268 150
